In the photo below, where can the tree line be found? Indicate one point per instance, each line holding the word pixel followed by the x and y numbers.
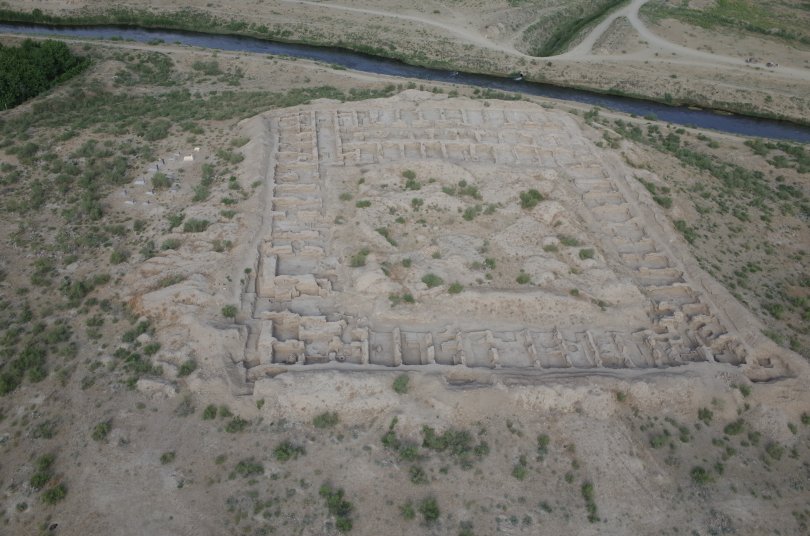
pixel 33 67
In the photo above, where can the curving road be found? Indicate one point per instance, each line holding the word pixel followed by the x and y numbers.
pixel 585 47
pixel 583 51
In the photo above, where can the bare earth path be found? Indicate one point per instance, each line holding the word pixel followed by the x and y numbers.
pixel 466 35
pixel 583 51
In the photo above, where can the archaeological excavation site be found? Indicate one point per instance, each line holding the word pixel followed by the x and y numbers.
pixel 495 262
pixel 423 231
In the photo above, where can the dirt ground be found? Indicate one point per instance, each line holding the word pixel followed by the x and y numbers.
pixel 203 445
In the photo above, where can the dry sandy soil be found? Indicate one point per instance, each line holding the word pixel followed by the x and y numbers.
pixel 592 372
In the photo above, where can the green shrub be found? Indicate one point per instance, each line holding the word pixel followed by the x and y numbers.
pixel 59 332
pixel 455 288
pixel 409 452
pixel 288 451
pixel 43 472
pixel 248 467
pixel 239 141
pixel 167 457
pixel 209 68
pixel 705 415
pixel 363 203
pixel 45 462
pixel 175 220
pixel 530 198
pixel 458 443
pixel 160 181
pixel 407 510
pixel 40 478
pixel 45 429
pixel 188 366
pixel 210 412
pixel 543 441
pixel 185 407
pixel 390 440
pixel 586 253
pixel 231 157
pixel 523 278
pixel 338 506
pixel 195 226
pixel 520 469
pixel 359 259
pixel 118 256
pixel 343 524
pixel 775 450
pixel 470 213
pixel 55 494
pixel 326 420
pixel 221 245
pixel 412 184
pixel 734 428
pixel 148 250
pixel 101 430
pixel 700 476
pixel 417 475
pixel 463 189
pixel 590 501
pixel 432 280
pixel 202 192
pixel 402 384
pixel 387 235
pixel 229 311
pixel 170 243
pixel 429 508
pixel 659 440
pixel 236 425
pixel 688 232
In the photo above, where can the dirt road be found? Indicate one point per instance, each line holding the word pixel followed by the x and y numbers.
pixel 458 31
pixel 656 44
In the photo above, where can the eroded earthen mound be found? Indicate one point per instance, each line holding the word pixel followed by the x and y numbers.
pixel 422 230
